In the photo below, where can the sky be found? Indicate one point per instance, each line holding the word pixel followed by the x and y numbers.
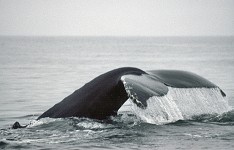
pixel 117 17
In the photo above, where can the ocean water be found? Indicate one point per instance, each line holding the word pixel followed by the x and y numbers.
pixel 38 72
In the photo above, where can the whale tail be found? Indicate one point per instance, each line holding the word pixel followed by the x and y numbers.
pixel 103 96
pixel 165 96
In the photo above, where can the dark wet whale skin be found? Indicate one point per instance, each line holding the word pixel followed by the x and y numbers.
pixel 104 95
pixel 98 99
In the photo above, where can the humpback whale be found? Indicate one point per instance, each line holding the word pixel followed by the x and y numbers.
pixel 103 96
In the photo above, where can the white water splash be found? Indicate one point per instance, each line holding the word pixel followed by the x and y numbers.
pixel 34 123
pixel 181 104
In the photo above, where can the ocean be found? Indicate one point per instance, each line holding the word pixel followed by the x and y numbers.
pixel 38 72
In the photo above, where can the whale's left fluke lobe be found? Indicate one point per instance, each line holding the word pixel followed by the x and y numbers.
pixel 141 88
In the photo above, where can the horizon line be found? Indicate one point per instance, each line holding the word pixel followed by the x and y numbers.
pixel 116 36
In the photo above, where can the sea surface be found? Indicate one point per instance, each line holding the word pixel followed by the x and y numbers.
pixel 38 72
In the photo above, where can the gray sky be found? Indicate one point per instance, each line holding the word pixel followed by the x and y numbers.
pixel 117 17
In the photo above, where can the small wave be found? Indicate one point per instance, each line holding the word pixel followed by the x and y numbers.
pixel 224 118
pixel 72 123
pixel 3 144
pixel 15 145
pixel 25 116
pixel 90 124
pixel 70 130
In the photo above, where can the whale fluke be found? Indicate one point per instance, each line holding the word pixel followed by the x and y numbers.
pixel 103 96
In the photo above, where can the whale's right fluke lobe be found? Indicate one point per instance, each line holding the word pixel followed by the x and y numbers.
pixel 182 79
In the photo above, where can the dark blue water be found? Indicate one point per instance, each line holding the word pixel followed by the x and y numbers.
pixel 37 72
